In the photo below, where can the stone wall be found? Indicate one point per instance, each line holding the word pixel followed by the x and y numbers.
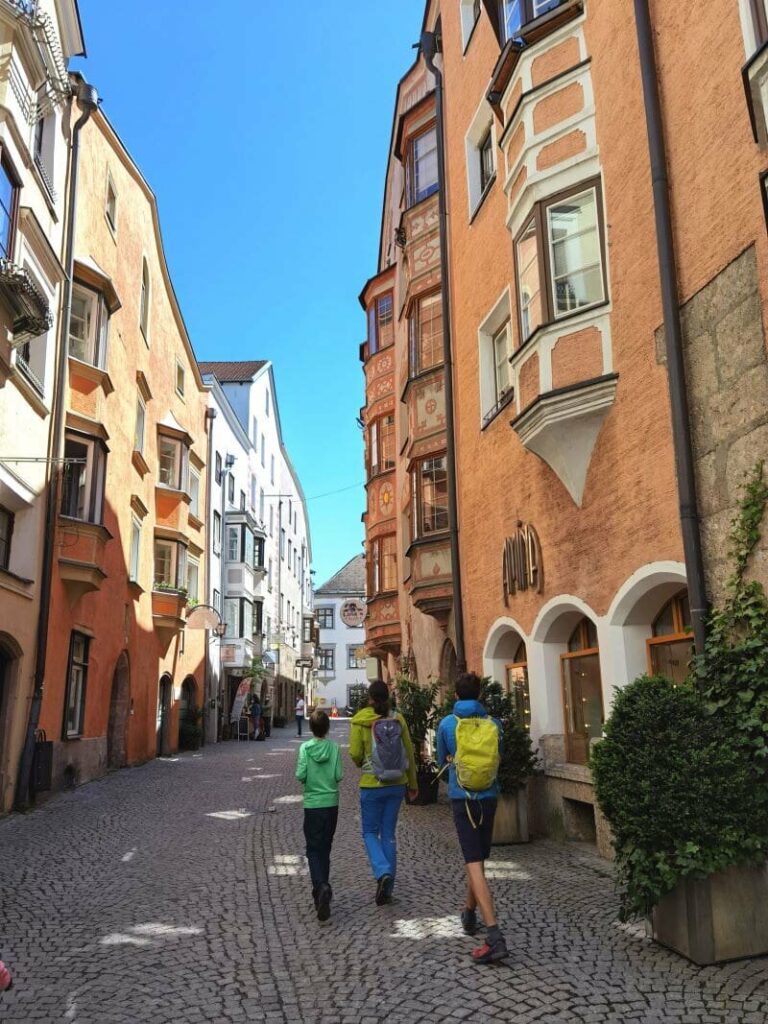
pixel 727 373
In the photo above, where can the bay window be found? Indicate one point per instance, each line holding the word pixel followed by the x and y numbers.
pixel 514 14
pixel 84 472
pixel 238 617
pixel 170 565
pixel 381 324
pixel 77 677
pixel 430 496
pixel 421 167
pixel 233 543
pixel 88 327
pixel 426 333
pixel 384 565
pixel 382 445
pixel 173 456
pixel 560 258
pixel 194 493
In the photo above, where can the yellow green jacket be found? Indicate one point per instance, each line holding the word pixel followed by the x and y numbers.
pixel 361 749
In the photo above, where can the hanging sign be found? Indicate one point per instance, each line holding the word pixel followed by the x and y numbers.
pixel 522 567
pixel 353 612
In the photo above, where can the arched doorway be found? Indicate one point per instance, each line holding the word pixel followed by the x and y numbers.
pixel 190 716
pixel 119 705
pixel 582 691
pixel 164 693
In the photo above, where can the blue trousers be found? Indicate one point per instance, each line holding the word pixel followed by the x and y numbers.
pixel 379 809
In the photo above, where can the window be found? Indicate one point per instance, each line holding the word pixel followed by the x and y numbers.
pixel 144 300
pixel 233 608
pixel 356 657
pixel 217 533
pixel 324 617
pixel 759 21
pixel 257 619
pixel 31 359
pixel 77 677
pixel 382 445
pixel 470 14
pixel 255 431
pixel 430 481
pixel 381 324
pixel 193 579
pixel 582 692
pixel 263 450
pixel 562 245
pixel 110 206
pixel 514 14
pixel 426 333
pixel 258 553
pixel 501 367
pixel 218 468
pixel 282 544
pixel 173 462
pixel 170 565
pixel 670 648
pixel 141 418
pixel 84 472
pixel 272 469
pixel 476 5
pixel 266 402
pixel 217 600
pixel 179 379
pixel 325 659
pixel 384 567
pixel 135 553
pixel 194 493
pixel 233 544
pixel 6 533
pixel 88 327
pixel 9 195
pixel 271 520
pixel 269 575
pixel 290 554
pixel 421 168
pixel 231 488
pixel 517 685
pixel 485 157
pixel 242 501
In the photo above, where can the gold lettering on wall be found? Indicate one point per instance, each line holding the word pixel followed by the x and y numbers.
pixel 522 567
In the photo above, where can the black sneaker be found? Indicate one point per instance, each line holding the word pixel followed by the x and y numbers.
pixel 383 887
pixel 469 921
pixel 324 902
pixel 490 953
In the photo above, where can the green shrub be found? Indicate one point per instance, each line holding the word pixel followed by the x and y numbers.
pixel 416 703
pixel 677 789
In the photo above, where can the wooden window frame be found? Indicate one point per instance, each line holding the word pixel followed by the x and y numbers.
pixel 374 322
pixel 76 733
pixel 376 436
pixel 538 215
pixel 414 338
pixel 98 341
pixel 583 652
pixel 378 571
pixel 410 168
pixel 178 566
pixel 528 14
pixel 678 635
pixel 486 146
pixel 96 477
pixel 419 533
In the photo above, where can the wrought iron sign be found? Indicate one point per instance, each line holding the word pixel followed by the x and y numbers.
pixel 522 565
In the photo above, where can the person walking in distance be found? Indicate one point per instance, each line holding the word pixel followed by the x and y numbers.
pixel 256 718
pixel 469 743
pixel 380 744
pixel 319 769
pixel 299 714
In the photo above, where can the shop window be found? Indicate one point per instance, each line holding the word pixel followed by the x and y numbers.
pixel 517 685
pixel 670 648
pixel 582 692
pixel 384 565
pixel 381 324
pixel 77 678
pixel 88 327
pixel 430 493
pixel 324 617
pixel 421 167
pixel 426 333
pixel 560 259
pixel 84 472
pixel 170 565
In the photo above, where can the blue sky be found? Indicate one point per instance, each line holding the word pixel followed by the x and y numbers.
pixel 263 129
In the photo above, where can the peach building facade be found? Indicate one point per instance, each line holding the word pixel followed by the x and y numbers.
pixel 573 571
pixel 130 536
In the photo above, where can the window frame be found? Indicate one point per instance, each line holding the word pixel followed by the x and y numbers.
pixel 141 418
pixel 502 393
pixel 111 216
pixel 377 462
pixel 180 379
pixel 414 336
pixel 382 563
pixel 97 340
pixel 327 613
pixel 15 183
pixel 413 194
pixel 538 216
pixel 78 690
pixel 145 299
pixel 180 465
pixel 326 659
pixel 178 565
pixel 95 479
pixel 134 551
pixel 194 492
pixel 375 343
pixel 417 492
pixel 216 532
pixel 6 538
pixel 353 662
pixel 759 17
pixel 484 147
pixel 586 650
pixel 193 564
pixel 528 14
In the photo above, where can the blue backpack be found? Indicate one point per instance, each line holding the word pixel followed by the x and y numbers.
pixel 389 758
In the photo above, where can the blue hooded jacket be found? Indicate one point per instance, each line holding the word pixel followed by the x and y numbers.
pixel 446 746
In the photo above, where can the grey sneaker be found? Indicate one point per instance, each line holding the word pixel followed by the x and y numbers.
pixel 490 953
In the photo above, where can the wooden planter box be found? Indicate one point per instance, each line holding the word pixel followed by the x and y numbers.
pixel 719 918
pixel 511 823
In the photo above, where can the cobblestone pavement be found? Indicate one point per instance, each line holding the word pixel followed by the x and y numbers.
pixel 177 892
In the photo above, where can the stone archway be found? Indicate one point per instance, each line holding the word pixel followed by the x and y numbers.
pixel 119 708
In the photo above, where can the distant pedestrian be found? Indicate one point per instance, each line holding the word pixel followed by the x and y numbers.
pixel 6 981
pixel 256 718
pixel 319 769
pixel 299 714
pixel 380 744
pixel 469 742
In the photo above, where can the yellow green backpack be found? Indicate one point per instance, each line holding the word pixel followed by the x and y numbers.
pixel 477 753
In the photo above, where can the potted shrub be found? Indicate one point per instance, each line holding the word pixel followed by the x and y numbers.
pixel 518 762
pixel 415 703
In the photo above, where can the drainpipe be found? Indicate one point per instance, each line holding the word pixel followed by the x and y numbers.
pixel 429 47
pixel 678 394
pixel 210 416
pixel 88 101
pixel 224 708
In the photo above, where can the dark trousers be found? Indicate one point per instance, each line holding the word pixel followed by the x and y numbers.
pixel 299 721
pixel 319 830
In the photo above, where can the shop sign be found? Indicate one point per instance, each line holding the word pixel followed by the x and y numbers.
pixel 239 702
pixel 522 567
pixel 353 612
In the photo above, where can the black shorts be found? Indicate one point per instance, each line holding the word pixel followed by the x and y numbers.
pixel 474 839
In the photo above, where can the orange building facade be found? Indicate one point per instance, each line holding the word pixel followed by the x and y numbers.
pixel 130 539
pixel 573 578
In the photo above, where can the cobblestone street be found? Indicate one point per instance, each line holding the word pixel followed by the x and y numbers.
pixel 177 892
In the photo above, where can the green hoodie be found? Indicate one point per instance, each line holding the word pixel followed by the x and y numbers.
pixel 319 768
pixel 361 748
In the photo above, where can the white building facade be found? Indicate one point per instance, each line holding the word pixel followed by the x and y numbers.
pixel 340 615
pixel 257 504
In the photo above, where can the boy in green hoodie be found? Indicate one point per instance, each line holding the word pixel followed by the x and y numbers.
pixel 319 769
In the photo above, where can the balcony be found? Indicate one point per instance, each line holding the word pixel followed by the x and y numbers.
pixel 168 606
pixel 81 556
pixel 432 576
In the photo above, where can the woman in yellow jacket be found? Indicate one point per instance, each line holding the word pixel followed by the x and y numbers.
pixel 383 783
